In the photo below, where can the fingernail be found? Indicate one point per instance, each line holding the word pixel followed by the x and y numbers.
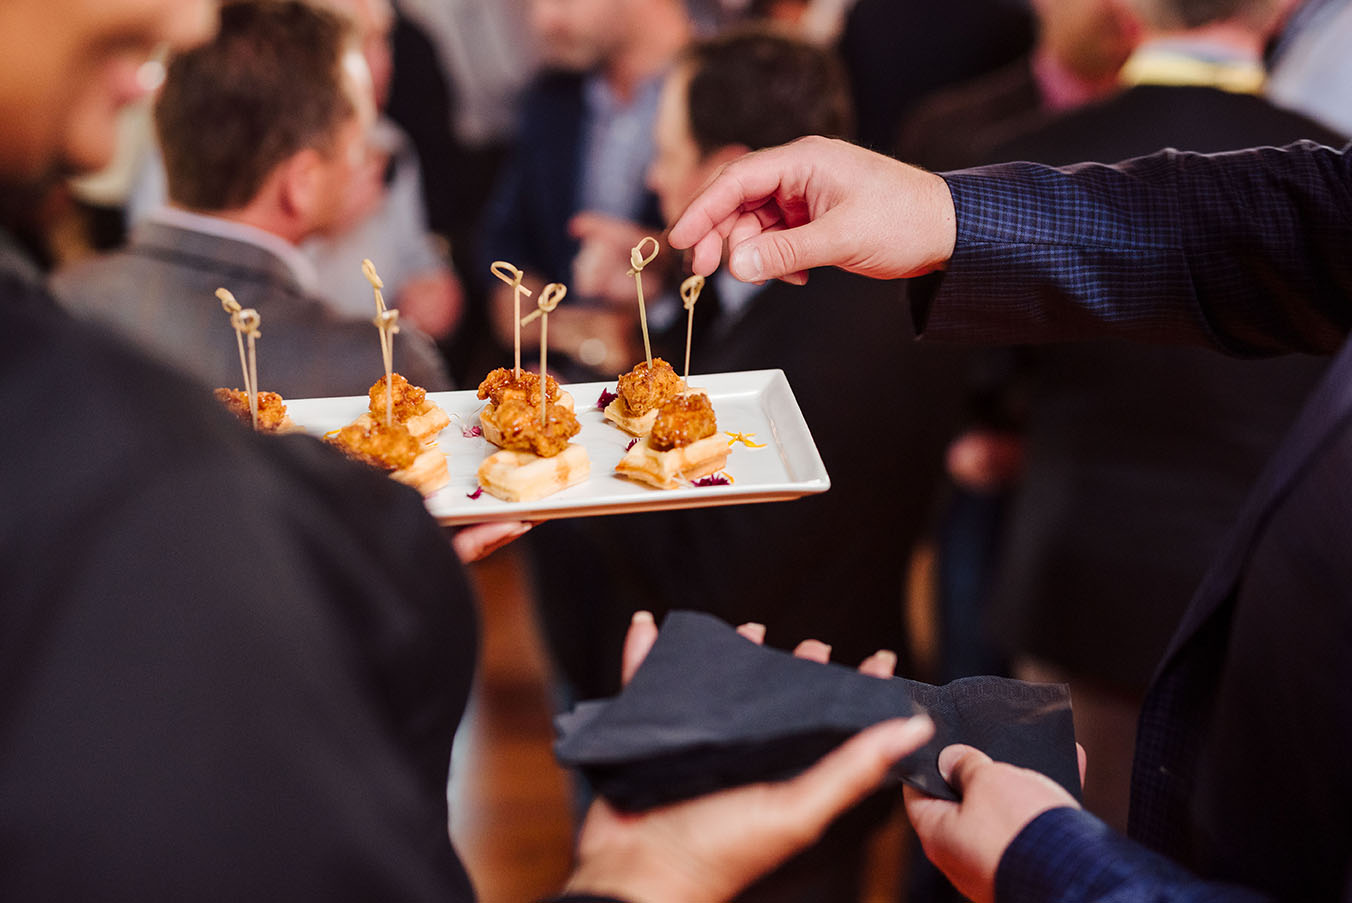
pixel 948 757
pixel 746 263
pixel 752 631
pixel 886 658
pixel 642 617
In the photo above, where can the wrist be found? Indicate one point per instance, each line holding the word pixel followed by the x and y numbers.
pixel 944 217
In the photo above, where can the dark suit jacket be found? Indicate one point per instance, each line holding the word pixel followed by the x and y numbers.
pixel 1241 763
pixel 231 666
pixel 1138 458
pixel 159 292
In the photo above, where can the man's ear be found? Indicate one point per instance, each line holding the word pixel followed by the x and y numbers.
pixel 299 184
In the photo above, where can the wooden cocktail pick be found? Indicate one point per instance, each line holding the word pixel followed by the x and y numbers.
pixel 690 290
pixel 512 276
pixel 549 299
pixel 246 322
pixel 368 270
pixel 637 261
pixel 387 321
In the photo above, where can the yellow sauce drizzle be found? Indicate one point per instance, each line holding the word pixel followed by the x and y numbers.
pixel 745 439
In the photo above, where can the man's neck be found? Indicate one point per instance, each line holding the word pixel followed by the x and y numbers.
pixel 654 46
pixel 260 219
pixel 233 226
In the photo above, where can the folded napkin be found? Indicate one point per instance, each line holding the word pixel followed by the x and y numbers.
pixel 709 709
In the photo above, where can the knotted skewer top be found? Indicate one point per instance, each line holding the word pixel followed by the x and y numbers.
pixel 690 291
pixel 368 269
pixel 512 276
pixel 637 261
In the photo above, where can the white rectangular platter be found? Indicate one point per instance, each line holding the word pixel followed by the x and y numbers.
pixel 756 403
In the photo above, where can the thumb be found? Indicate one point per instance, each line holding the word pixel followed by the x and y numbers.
pixel 851 771
pixel 775 254
pixel 958 764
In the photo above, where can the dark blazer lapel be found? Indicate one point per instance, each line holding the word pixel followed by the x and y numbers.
pixel 1175 717
pixel 1330 403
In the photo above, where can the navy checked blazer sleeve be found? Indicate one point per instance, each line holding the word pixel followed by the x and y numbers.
pixel 1069 856
pixel 1249 252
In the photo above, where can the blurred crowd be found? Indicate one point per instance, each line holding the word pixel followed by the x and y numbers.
pixel 1059 504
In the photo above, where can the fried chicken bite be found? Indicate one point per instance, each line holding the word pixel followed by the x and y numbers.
pixel 504 379
pixel 683 420
pixel 409 400
pixel 519 420
pixel 645 388
pixel 382 447
pixel 271 409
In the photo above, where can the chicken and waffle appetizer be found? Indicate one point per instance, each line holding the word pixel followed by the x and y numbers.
pixel 683 445
pixel 394 450
pixel 639 394
pixel 502 381
pixel 537 459
pixel 423 417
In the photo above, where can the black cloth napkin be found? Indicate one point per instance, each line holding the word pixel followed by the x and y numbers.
pixel 709 709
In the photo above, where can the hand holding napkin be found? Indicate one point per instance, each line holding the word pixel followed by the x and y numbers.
pixel 709 709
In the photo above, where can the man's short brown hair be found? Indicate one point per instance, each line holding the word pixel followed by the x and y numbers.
pixel 760 88
pixel 269 85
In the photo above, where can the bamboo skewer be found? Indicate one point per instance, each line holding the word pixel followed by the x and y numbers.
pixel 549 299
pixel 690 290
pixel 387 321
pixel 637 261
pixel 512 276
pixel 246 321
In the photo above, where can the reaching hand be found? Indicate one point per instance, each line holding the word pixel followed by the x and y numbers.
pixel 601 268
pixel 819 202
pixel 967 839
pixel 708 849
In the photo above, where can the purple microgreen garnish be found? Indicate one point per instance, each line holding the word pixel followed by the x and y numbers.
pixel 475 494
pixel 606 398
pixel 632 443
pixel 716 479
pixel 470 432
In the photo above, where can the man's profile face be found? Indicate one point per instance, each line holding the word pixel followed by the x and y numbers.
pixel 348 160
pixel 579 34
pixel 678 169
pixel 67 67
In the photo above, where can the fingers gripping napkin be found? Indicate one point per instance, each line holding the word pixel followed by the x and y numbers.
pixel 709 709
